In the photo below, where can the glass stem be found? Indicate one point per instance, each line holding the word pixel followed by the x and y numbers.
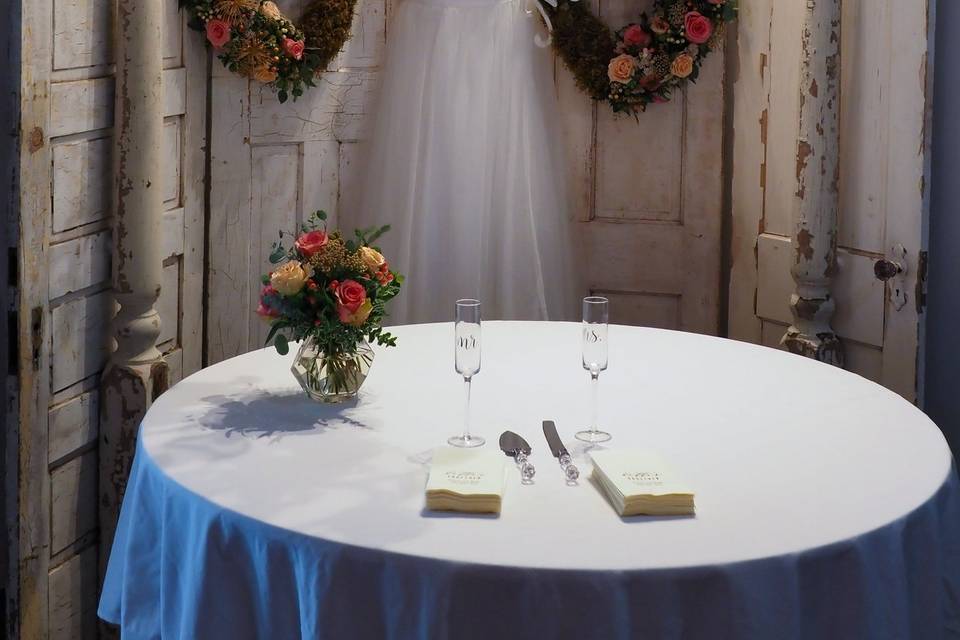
pixel 466 409
pixel 595 393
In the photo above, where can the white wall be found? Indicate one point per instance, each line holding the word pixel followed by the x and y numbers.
pixel 942 390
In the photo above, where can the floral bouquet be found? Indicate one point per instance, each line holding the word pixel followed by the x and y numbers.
pixel 253 38
pixel 330 294
pixel 654 57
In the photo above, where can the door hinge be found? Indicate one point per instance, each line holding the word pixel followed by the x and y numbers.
pixel 920 294
pixel 36 336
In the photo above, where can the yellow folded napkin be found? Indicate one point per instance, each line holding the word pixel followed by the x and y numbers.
pixel 641 483
pixel 466 480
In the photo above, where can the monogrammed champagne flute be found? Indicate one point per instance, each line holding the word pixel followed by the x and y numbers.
pixel 467 360
pixel 596 316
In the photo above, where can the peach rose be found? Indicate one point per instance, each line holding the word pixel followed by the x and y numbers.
pixel 218 32
pixel 355 318
pixel 264 74
pixel 294 48
pixel 271 10
pixel 288 280
pixel 682 65
pixel 621 68
pixel 698 27
pixel 372 258
pixel 659 25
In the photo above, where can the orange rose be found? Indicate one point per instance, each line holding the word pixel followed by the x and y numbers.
pixel 682 65
pixel 264 74
pixel 621 68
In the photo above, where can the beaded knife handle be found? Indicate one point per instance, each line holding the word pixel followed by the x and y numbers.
pixel 569 469
pixel 527 470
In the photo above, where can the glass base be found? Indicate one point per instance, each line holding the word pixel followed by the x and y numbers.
pixel 466 442
pixel 593 436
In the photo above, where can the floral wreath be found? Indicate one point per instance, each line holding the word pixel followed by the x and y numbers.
pixel 254 39
pixel 642 63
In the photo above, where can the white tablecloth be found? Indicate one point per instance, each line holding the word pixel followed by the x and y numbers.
pixel 827 507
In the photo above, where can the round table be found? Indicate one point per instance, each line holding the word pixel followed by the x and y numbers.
pixel 827 507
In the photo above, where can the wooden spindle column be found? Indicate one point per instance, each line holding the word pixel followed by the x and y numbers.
pixel 137 372
pixel 818 187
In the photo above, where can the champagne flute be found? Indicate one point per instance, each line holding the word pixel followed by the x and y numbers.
pixel 467 361
pixel 596 316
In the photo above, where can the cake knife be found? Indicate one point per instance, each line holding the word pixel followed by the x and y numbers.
pixel 560 452
pixel 516 447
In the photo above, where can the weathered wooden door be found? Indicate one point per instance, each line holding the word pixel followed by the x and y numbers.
pixel 884 103
pixel 647 196
pixel 64 301
pixel 273 164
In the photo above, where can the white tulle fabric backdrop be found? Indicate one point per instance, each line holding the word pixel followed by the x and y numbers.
pixel 466 165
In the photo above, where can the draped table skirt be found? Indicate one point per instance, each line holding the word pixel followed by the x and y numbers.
pixel 253 513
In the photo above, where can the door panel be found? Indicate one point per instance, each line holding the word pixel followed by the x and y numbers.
pixel 647 196
pixel 64 288
pixel 883 203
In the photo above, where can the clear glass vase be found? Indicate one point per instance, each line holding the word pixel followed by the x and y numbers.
pixel 331 378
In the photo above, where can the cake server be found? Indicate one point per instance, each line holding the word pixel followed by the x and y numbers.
pixel 560 452
pixel 517 448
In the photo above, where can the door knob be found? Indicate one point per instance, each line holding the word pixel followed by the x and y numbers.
pixel 885 269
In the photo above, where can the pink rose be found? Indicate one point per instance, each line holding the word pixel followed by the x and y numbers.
pixel 310 243
pixel 266 312
pixel 218 32
pixel 650 82
pixel 698 27
pixel 294 48
pixel 716 1
pixel 350 295
pixel 635 36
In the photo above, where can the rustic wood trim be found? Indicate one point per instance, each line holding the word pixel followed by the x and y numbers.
pixel 9 205
pixel 817 187
pixel 137 372
pixel 195 150
pixel 751 110
pixel 34 316
pixel 910 74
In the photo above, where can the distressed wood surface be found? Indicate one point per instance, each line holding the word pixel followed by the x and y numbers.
pixel 73 501
pixel 73 425
pixel 882 162
pixel 814 233
pixel 33 363
pixel 751 118
pixel 68 102
pixel 73 602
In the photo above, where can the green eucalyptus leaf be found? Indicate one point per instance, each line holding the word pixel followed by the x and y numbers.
pixel 281 344
pixel 277 254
